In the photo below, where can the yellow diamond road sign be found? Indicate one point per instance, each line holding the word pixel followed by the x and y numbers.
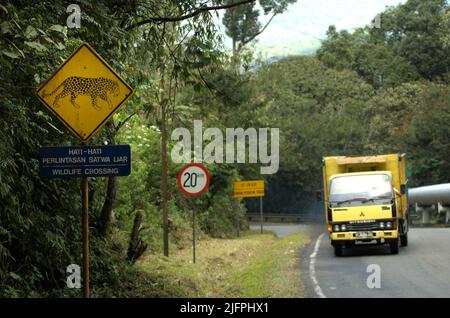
pixel 84 92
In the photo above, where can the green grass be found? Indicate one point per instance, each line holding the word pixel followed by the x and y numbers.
pixel 274 272
pixel 253 265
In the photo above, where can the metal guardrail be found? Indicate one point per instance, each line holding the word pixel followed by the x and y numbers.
pixel 283 217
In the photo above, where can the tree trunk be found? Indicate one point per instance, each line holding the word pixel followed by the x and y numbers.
pixel 164 177
pixel 111 190
pixel 137 246
pixel 105 214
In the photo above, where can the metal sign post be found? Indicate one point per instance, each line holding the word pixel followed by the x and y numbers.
pixel 236 206
pixel 193 180
pixel 85 216
pixel 193 235
pixel 251 189
pixel 85 225
pixel 85 161
pixel 261 212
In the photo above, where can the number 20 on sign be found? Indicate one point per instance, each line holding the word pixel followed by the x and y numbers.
pixel 193 179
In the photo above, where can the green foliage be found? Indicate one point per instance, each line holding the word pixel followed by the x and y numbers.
pixel 40 220
pixel 242 24
pixel 412 43
pixel 388 116
pixel 428 140
pixel 318 112
pixel 376 62
pixel 407 113
pixel 414 31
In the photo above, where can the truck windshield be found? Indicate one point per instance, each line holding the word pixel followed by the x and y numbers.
pixel 360 188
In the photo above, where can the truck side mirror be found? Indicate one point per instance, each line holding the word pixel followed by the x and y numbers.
pixel 403 188
pixel 319 196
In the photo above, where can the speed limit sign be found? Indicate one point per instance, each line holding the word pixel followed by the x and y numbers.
pixel 193 179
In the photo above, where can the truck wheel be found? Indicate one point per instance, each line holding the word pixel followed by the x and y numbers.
pixel 394 246
pixel 404 239
pixel 337 250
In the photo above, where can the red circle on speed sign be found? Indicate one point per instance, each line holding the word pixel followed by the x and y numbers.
pixel 193 179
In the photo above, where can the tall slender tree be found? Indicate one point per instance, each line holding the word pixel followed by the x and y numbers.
pixel 242 22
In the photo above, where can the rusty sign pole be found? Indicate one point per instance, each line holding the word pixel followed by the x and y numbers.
pixel 237 206
pixel 261 212
pixel 85 221
pixel 250 189
pixel 193 233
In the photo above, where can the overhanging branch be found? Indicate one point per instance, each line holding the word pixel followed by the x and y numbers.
pixel 186 16
pixel 259 32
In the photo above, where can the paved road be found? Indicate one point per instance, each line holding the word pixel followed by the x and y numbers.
pixel 420 270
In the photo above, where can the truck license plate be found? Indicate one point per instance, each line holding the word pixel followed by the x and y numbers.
pixel 363 235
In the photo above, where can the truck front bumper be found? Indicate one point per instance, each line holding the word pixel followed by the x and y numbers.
pixel 376 235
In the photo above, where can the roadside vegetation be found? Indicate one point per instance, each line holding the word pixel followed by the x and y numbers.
pixel 372 91
pixel 252 265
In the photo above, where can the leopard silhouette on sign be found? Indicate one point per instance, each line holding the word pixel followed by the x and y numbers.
pixel 74 86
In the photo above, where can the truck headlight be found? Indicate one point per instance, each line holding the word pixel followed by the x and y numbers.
pixel 382 225
pixel 389 225
pixel 343 227
pixel 336 228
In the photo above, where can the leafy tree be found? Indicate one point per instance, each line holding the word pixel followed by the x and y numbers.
pixel 388 116
pixel 318 111
pixel 427 143
pixel 415 31
pixel 40 220
pixel 242 22
pixel 336 50
pixel 33 254
pixel 375 62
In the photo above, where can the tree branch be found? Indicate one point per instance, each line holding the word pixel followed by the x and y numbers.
pixel 244 42
pixel 116 128
pixel 186 16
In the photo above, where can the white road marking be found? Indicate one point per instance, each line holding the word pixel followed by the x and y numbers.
pixel 312 269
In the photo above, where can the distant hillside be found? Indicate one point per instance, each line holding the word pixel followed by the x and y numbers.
pixel 293 48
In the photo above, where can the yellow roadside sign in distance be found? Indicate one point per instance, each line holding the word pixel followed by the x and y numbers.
pixel 248 189
pixel 84 92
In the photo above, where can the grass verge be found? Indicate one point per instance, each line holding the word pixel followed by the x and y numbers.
pixel 253 265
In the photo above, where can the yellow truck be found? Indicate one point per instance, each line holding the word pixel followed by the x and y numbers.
pixel 366 201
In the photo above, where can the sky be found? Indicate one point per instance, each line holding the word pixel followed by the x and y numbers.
pixel 300 29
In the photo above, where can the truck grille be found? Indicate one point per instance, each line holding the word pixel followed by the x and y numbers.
pixel 362 227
